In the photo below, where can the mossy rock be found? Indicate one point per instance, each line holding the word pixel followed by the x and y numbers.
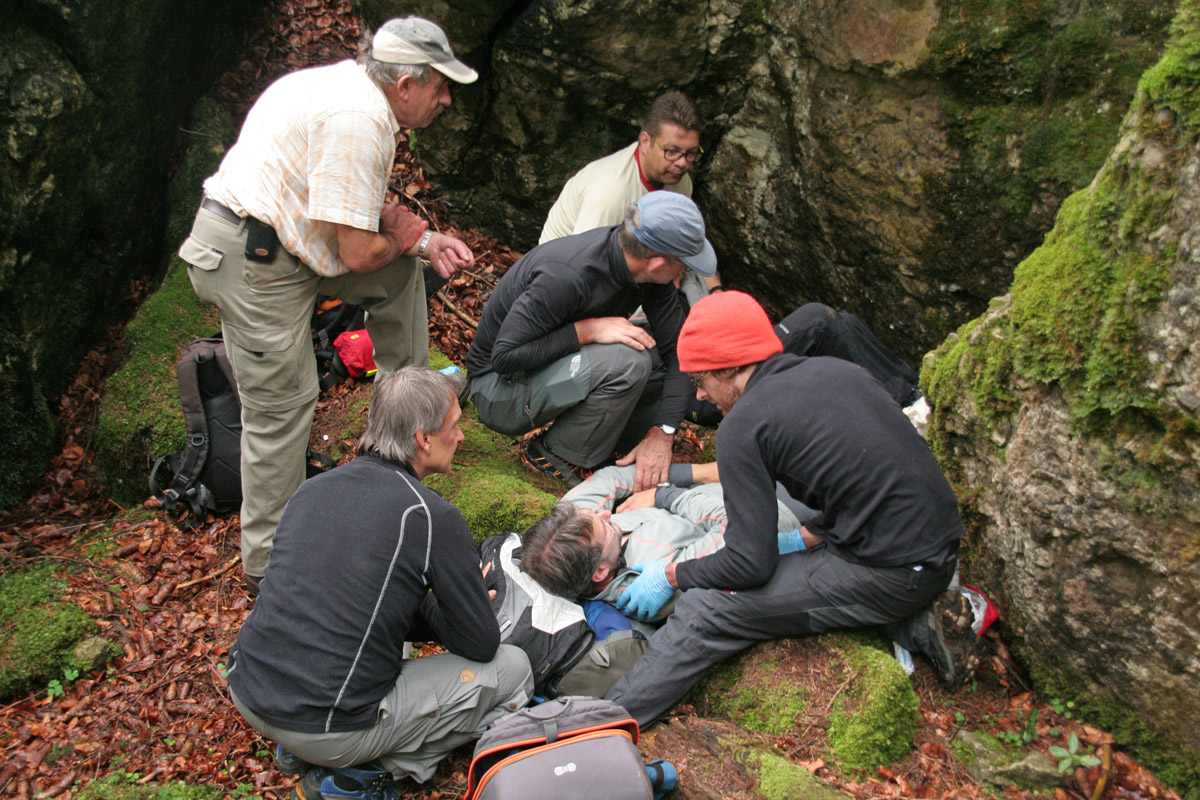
pixel 121 785
pixel 140 418
pixel 989 761
pixel 780 779
pixel 875 721
pixel 40 630
pixel 1035 96
pixel 873 717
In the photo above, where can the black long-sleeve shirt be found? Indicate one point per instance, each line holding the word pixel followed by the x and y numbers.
pixel 364 559
pixel 529 321
pixel 837 442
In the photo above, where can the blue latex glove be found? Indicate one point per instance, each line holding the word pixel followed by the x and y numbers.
pixel 648 593
pixel 791 542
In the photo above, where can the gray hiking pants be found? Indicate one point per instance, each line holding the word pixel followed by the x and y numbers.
pixel 601 399
pixel 811 592
pixel 438 703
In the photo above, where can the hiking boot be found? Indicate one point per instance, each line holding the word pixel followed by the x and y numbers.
pixel 359 783
pixel 943 632
pixel 539 459
pixel 290 763
pixel 251 584
pixel 309 787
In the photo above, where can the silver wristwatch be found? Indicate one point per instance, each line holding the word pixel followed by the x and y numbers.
pixel 424 243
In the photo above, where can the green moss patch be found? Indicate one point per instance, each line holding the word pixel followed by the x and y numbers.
pixel 39 630
pixel 754 691
pixel 1035 98
pixel 1175 80
pixel 489 486
pixel 121 785
pixel 875 721
pixel 780 779
pixel 140 417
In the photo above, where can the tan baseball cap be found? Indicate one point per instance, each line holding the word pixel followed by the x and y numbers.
pixel 413 40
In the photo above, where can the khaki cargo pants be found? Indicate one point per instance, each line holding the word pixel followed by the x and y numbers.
pixel 266 308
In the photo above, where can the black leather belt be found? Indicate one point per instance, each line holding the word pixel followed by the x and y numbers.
pixel 220 209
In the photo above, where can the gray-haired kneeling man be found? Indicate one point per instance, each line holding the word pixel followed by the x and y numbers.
pixel 366 558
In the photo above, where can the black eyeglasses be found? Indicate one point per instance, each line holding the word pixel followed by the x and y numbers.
pixel 697 378
pixel 674 153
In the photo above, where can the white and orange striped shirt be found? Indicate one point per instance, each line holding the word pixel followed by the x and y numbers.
pixel 315 151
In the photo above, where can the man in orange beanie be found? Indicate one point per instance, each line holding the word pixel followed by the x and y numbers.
pixel 832 436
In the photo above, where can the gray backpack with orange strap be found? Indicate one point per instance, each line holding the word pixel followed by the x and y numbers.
pixel 572 747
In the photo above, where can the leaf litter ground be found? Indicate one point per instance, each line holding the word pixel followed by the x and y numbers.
pixel 172 600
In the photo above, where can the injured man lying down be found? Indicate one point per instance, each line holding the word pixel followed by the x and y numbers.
pixel 593 543
pixel 591 547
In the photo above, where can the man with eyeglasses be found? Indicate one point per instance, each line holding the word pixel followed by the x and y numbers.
pixel 555 343
pixel 666 149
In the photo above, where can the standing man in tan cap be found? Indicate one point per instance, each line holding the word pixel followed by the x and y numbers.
pixel 296 208
pixel 830 434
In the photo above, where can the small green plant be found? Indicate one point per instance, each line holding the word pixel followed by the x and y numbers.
pixel 70 674
pixel 57 751
pixel 1026 731
pixel 1071 757
pixel 55 688
pixel 1062 708
pixel 960 718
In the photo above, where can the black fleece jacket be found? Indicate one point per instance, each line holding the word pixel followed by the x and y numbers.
pixel 829 432
pixel 365 558
pixel 529 321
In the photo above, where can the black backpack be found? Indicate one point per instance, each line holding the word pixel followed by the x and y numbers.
pixel 552 630
pixel 331 318
pixel 205 478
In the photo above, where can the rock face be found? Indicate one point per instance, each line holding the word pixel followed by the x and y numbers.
pixel 1067 417
pixel 895 157
pixel 94 94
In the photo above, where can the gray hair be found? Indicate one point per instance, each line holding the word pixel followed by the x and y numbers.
pixel 628 240
pixel 383 73
pixel 408 401
pixel 558 552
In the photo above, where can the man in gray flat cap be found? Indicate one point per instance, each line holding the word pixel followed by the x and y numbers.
pixel 555 343
pixel 296 208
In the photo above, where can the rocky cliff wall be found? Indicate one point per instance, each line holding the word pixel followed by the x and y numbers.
pixel 1068 417
pixel 92 97
pixel 895 157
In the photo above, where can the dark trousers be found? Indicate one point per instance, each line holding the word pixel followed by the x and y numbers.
pixel 601 399
pixel 816 329
pixel 811 592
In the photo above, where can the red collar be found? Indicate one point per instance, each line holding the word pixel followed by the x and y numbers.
pixel 637 156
